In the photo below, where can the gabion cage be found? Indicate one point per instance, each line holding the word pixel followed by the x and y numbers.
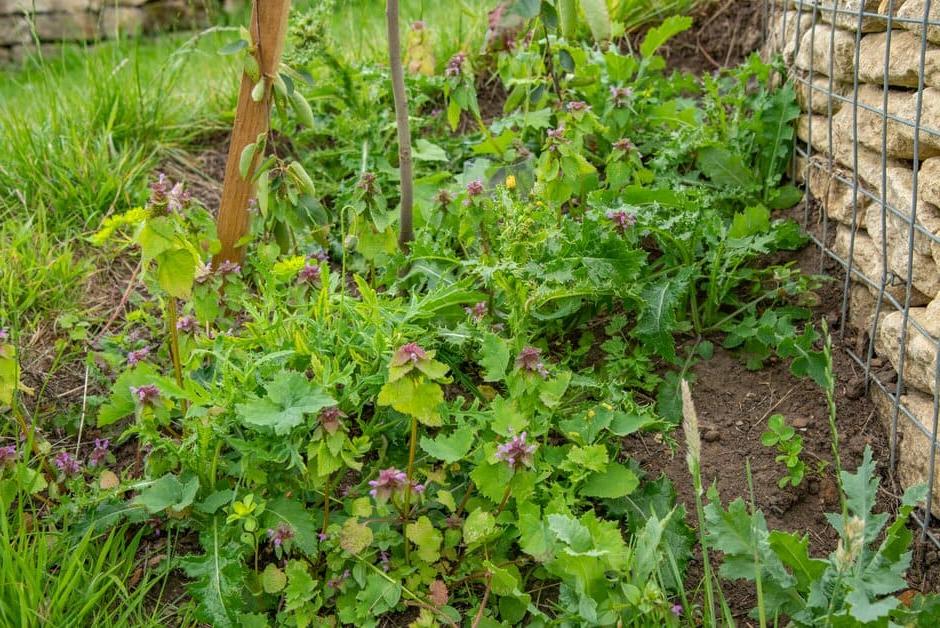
pixel 867 76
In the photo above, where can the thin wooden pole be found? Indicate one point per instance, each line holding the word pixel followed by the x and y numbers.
pixel 268 31
pixel 406 230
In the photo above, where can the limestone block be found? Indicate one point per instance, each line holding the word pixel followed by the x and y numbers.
pixel 849 21
pixel 914 10
pixel 836 196
pixel 785 32
pixel 913 455
pixel 924 271
pixel 900 137
pixel 49 6
pixel 115 20
pixel 921 355
pixel 861 311
pixel 814 52
pixel 869 161
pixel 903 60
pixel 13 30
pixel 929 181
pixel 66 26
pixel 821 100
pixel 867 260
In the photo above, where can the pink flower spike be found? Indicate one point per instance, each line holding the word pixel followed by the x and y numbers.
pixel 411 352
pixel 186 323
pixel 137 356
pixel 310 273
pixel 281 534
pixel 530 359
pixel 67 464
pixel 389 482
pixel 516 452
pixel 146 395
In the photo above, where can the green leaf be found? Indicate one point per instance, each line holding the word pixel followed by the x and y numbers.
pixel 427 539
pixel 450 448
pixel 724 168
pixel 659 35
pixel 289 397
pixel 491 480
pixel 592 457
pixel 176 270
pixel 478 526
pixel 657 320
pixel 426 151
pixel 495 357
pixel 273 579
pixel 302 109
pixel 570 531
pixel 598 18
pixel 233 46
pixel 419 399
pixel 379 595
pixel 216 580
pixel 247 156
pixel 752 221
pixel 215 501
pixel 168 492
pixel 301 521
pixel 793 551
pixel 616 481
pixel 300 585
pixel 355 536
pixel 865 611
pixel 805 360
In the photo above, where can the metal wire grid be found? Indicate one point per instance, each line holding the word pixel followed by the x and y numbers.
pixel 829 11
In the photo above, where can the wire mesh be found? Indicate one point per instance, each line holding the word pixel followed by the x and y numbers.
pixel 802 30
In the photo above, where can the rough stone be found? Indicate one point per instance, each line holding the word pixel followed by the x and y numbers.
pixel 837 197
pixel 924 271
pixel 818 98
pixel 861 311
pixel 13 30
pixel 66 26
pixel 903 62
pixel 914 10
pixel 867 261
pixel 929 181
pixel 846 15
pixel 921 351
pixel 114 20
pixel 914 446
pixel 49 6
pixel 785 33
pixel 898 138
pixel 814 52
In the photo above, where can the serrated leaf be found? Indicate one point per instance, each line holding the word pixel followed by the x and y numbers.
pixel 426 538
pixel 657 320
pixel 752 221
pixel 355 536
pixel 289 397
pixel 176 271
pixel 273 579
pixel 615 481
pixel 420 399
pixel 724 167
pixel 491 480
pixel 478 526
pixel 449 448
pixel 659 35
pixel 495 357
pixel 793 551
pixel 295 515
pixel 216 579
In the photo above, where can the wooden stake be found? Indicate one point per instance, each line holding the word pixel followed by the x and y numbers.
pixel 268 31
pixel 405 231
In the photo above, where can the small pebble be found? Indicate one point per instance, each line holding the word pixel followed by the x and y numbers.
pixel 738 423
pixel 813 486
pixel 710 436
pixel 855 388
pixel 877 363
pixel 800 423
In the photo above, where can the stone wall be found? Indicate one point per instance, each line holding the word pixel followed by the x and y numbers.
pixel 858 163
pixel 23 22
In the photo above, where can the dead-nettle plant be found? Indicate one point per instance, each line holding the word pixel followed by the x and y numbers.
pixel 414 389
pixel 405 226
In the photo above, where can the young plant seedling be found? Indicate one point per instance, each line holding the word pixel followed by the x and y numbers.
pixel 789 446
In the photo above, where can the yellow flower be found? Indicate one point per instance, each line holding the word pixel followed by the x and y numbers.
pixel 511 182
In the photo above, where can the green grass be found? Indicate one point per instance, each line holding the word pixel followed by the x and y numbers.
pixel 83 129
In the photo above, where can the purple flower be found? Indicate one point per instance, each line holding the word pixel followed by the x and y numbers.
pixel 308 274
pixel 478 311
pixel 158 190
pixel 177 199
pixel 66 463
pixel 320 256
pixel 411 352
pixel 100 452
pixel 390 481
pixel 516 452
pixel 331 418
pixel 323 536
pixel 146 395
pixel 443 197
pixel 624 144
pixel 186 323
pixel 455 65
pixel 8 455
pixel 366 183
pixel 335 583
pixel 555 137
pixel 384 560
pixel 173 198
pixel 137 356
pixel 229 267
pixel 676 610
pixel 474 188
pixel 620 95
pixel 281 534
pixel 4 334
pixel 622 220
pixel 577 105
pixel 418 488
pixel 530 359
pixel 203 272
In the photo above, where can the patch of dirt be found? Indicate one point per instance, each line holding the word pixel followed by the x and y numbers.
pixel 724 33
pixel 202 171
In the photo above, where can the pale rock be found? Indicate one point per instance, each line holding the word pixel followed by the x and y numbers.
pixel 929 181
pixel 837 197
pixel 867 261
pixel 903 62
pixel 785 32
pixel 847 14
pixel 117 20
pixel 898 138
pixel 818 98
pixel 924 272
pixel 914 446
pixel 80 26
pixel 13 30
pixel 914 10
pixel 49 6
pixel 814 52
pixel 921 350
